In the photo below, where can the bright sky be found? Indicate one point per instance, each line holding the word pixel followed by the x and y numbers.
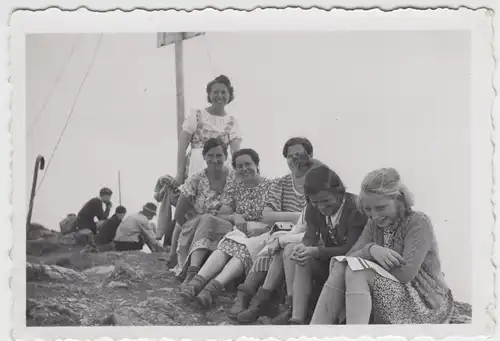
pixel 364 99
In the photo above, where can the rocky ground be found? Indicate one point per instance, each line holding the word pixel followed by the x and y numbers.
pixel 67 286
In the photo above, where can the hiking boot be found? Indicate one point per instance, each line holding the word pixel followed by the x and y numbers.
pixel 285 313
pixel 240 303
pixel 258 303
pixel 206 297
pixel 295 321
pixel 190 273
pixel 192 289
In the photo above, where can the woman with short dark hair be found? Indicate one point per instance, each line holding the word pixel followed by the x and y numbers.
pixel 203 124
pixel 243 204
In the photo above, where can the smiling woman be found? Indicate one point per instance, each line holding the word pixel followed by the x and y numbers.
pixel 203 124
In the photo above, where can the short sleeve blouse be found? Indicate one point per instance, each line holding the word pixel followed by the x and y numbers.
pixel 203 126
pixel 248 201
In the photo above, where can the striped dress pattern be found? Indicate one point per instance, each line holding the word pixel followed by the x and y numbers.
pixel 283 197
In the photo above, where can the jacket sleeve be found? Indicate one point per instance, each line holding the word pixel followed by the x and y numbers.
pixel 362 246
pixel 97 210
pixel 417 242
pixel 310 234
pixel 356 225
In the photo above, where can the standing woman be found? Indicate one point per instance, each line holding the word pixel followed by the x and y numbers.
pixel 203 124
pixel 400 240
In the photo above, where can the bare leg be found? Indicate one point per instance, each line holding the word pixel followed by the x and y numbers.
pixel 332 298
pixel 214 264
pixel 232 270
pixel 289 268
pixel 358 295
pixel 197 257
pixel 172 255
pixel 275 274
pixel 302 284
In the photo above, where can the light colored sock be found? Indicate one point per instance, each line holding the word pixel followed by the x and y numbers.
pixel 358 307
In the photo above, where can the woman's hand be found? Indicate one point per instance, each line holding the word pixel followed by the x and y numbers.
pixel 273 247
pixel 237 219
pixel 386 257
pixel 302 254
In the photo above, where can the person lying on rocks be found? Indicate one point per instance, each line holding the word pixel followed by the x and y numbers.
pixel 285 204
pixel 407 285
pixel 333 224
pixel 242 207
pixel 95 210
pixel 135 231
pixel 203 191
pixel 107 230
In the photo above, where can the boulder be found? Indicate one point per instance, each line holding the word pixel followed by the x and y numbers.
pixel 40 272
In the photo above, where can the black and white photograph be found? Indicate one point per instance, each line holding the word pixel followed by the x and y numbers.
pixel 213 170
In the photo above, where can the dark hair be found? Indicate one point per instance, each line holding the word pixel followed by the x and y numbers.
pixel 120 209
pixel 246 151
pixel 295 141
pixel 321 178
pixel 222 80
pixel 105 191
pixel 213 143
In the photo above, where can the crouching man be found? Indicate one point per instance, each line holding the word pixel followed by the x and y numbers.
pixel 136 230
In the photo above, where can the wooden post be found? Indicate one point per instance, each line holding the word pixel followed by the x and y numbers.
pixel 119 189
pixel 39 165
pixel 179 80
pixel 177 39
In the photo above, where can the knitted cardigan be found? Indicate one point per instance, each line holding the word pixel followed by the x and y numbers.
pixel 415 241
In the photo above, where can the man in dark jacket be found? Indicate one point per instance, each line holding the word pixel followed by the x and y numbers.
pixel 106 232
pixel 96 208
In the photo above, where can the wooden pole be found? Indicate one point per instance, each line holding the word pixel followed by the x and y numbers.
pixel 39 165
pixel 119 188
pixel 179 81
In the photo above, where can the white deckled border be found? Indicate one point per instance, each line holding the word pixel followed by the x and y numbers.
pixel 478 22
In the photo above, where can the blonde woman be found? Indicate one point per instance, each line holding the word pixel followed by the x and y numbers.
pixel 406 285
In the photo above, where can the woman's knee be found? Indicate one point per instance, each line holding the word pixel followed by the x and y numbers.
pixel 336 278
pixel 287 251
pixel 359 277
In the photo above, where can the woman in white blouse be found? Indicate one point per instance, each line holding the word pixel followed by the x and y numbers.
pixel 203 124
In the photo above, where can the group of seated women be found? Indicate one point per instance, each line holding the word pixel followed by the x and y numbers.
pixel 294 230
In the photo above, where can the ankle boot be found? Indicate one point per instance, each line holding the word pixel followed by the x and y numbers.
pixel 257 305
pixel 206 297
pixel 243 296
pixel 285 313
pixel 192 289
pixel 190 273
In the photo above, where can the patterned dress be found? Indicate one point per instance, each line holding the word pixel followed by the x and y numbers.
pixel 205 200
pixel 283 197
pixel 204 126
pixel 249 202
pixel 399 303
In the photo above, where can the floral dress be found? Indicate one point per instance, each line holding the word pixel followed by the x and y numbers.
pixel 283 197
pixel 205 200
pixel 204 126
pixel 399 303
pixel 249 202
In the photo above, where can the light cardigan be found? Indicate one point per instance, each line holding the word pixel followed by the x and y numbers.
pixel 415 241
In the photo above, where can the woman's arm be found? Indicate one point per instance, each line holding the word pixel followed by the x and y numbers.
pixel 235 145
pixel 269 216
pixel 226 212
pixel 182 208
pixel 418 240
pixel 184 141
